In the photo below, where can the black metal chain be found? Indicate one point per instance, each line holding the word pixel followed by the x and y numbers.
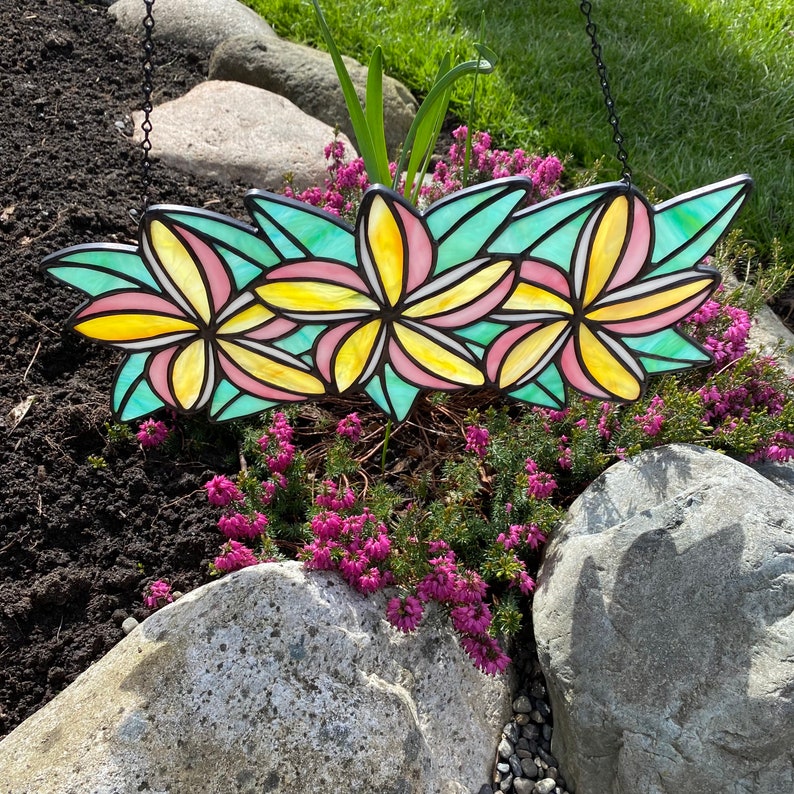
pixel 146 125
pixel 617 135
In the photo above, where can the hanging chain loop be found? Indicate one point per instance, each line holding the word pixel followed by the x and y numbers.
pixel 146 125
pixel 617 136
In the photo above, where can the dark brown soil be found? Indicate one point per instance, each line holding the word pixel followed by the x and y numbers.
pixel 77 545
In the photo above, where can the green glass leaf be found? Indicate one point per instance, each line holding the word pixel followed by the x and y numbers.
pixel 132 397
pixel 301 341
pixel 530 227
pixel 546 391
pixel 481 333
pixel 228 402
pixel 688 227
pixel 464 223
pixel 392 394
pixel 99 269
pixel 669 345
pixel 299 231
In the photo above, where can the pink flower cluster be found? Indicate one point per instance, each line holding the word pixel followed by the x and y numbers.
pixel 157 594
pixel 151 433
pixel 779 449
pixel 331 498
pixel 221 491
pixel 540 484
pixel 518 534
pixel 477 439
pixel 277 444
pixel 237 526
pixel 729 326
pixel 349 428
pixel 488 163
pixel 652 420
pixel 233 557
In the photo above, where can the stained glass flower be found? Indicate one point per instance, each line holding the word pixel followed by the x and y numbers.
pixel 194 328
pixel 585 314
pixel 396 311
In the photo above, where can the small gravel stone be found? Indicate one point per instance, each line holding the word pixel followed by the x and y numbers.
pixel 503 767
pixel 521 719
pixel 522 705
pixel 485 788
pixel 515 765
pixel 536 716
pixel 545 786
pixel 506 783
pixel 510 732
pixel 547 757
pixel 523 786
pixel 537 690
pixel 128 625
pixel 522 754
pixel 542 708
pixel 528 768
pixel 505 748
pixel 547 732
pixel 530 732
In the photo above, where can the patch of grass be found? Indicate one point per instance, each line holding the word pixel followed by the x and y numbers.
pixel 704 88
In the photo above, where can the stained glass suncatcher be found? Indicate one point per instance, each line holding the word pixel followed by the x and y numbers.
pixel 583 291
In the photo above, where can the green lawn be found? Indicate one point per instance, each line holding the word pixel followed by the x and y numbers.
pixel 704 88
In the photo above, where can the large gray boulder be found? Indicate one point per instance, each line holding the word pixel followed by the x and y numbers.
pixel 665 628
pixel 237 133
pixel 270 679
pixel 307 77
pixel 199 24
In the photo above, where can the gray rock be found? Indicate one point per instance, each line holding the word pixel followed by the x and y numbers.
pixel 545 786
pixel 522 705
pixel 128 625
pixel 523 786
pixel 307 78
pixel 529 768
pixel 240 134
pixel 515 765
pixel 506 783
pixel 665 629
pixel 202 24
pixel 248 678
pixel 510 732
pixel 505 748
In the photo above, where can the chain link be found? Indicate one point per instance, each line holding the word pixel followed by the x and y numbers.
pixel 146 125
pixel 617 136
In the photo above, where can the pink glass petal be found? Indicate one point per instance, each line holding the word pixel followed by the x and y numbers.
pixel 420 248
pixel 248 384
pixel 273 330
pixel 136 301
pixel 548 277
pixel 503 344
pixel 636 253
pixel 477 310
pixel 328 344
pixel 216 273
pixel 657 322
pixel 320 271
pixel 159 378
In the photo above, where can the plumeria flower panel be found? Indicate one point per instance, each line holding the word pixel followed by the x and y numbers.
pixel 581 291
pixel 604 280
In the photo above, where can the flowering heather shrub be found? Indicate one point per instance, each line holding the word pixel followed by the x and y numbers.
pixel 157 594
pixel 151 433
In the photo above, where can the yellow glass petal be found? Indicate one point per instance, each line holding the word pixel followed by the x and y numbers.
pixel 243 321
pixel 130 327
pixel 188 373
pixel 354 354
pixel 643 305
pixel 386 243
pixel 272 371
pixel 605 369
pixel 468 290
pixel 314 296
pixel 532 298
pixel 527 353
pixel 181 268
pixel 437 359
pixel 607 246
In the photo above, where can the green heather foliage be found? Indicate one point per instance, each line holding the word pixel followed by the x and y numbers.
pixel 704 88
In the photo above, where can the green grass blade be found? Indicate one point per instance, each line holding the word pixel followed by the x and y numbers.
pixel 374 112
pixel 358 119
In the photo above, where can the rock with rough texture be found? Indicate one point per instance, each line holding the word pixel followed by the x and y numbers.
pixel 665 629
pixel 232 132
pixel 307 77
pixel 198 24
pixel 260 682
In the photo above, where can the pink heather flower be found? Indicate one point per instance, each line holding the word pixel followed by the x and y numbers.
pixel 512 538
pixel 317 555
pixel 326 526
pixel 534 536
pixel 780 449
pixel 486 653
pixel 469 587
pixel 350 427
pixel 151 434
pixel 440 548
pixel 369 581
pixel 471 618
pixel 268 492
pixel 540 484
pixel 652 420
pixel 404 613
pixel 221 490
pixel 607 422
pixel 157 594
pixel 558 416
pixel 233 557
pixel 330 498
pixel 237 526
pixel 477 439
pixel 378 548
pixel 566 453
pixel 353 564
pixel 439 584
pixel 525 583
